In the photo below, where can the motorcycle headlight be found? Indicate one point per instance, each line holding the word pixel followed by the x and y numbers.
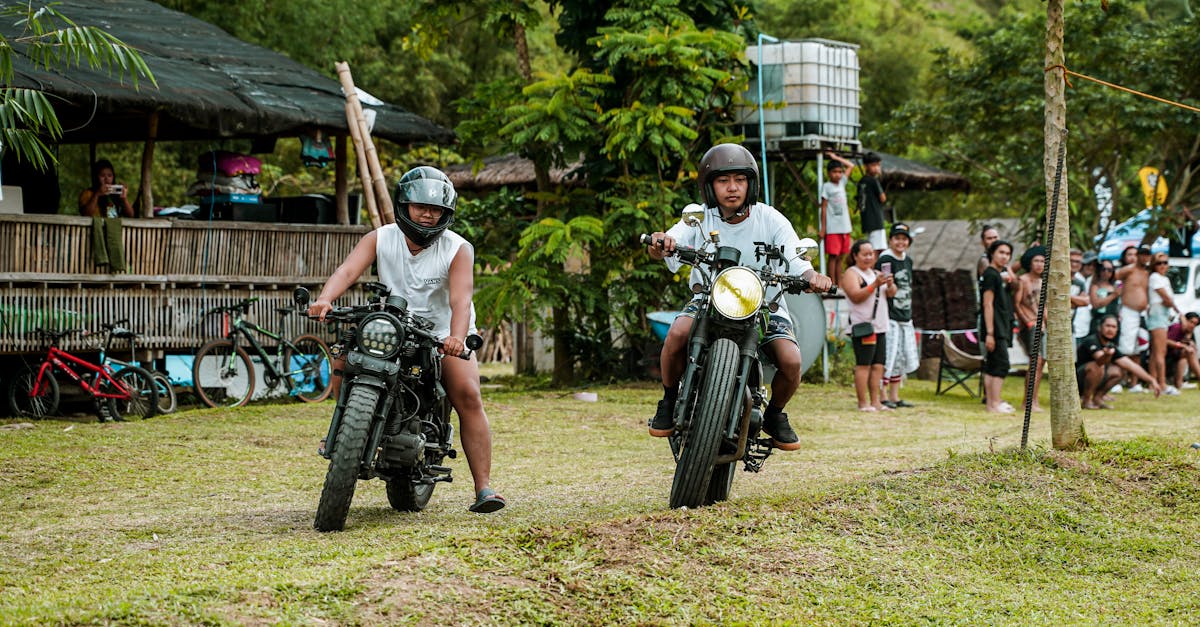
pixel 380 335
pixel 737 293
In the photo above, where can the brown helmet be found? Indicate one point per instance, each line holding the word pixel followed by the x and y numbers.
pixel 728 159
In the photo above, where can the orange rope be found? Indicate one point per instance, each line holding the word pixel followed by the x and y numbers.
pixel 1118 87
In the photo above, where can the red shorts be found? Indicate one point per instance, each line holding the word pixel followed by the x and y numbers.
pixel 837 243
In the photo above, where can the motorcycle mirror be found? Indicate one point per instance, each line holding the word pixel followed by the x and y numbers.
pixel 301 296
pixel 693 215
pixel 807 249
pixel 377 288
pixel 474 341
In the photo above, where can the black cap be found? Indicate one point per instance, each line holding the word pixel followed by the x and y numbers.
pixel 870 158
pixel 900 228
pixel 1143 250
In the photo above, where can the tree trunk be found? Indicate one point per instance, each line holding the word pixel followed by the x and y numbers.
pixel 1066 424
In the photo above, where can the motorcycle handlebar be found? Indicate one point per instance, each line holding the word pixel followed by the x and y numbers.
pixel 353 314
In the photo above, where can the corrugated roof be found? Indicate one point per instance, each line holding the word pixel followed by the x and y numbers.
pixel 210 84
pixel 954 244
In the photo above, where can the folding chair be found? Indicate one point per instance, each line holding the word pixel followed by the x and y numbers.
pixel 958 366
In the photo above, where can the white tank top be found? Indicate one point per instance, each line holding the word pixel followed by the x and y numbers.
pixel 423 278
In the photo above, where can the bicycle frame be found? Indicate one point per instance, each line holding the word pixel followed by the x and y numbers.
pixel 58 359
pixel 243 328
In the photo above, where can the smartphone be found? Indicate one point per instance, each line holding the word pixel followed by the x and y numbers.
pixel 116 189
pixel 886 267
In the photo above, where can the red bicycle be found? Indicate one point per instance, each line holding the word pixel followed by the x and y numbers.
pixel 126 393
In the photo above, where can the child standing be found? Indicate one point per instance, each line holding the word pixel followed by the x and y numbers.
pixel 871 199
pixel 835 215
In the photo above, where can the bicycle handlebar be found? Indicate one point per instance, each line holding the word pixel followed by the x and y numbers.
pixel 243 306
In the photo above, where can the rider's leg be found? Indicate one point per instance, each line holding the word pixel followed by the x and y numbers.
pixel 461 378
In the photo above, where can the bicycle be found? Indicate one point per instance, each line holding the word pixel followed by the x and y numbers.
pixel 167 401
pixel 125 393
pixel 223 373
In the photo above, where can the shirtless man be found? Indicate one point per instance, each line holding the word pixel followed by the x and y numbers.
pixel 1134 274
pixel 1029 289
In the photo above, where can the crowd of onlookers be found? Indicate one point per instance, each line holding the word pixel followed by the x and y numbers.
pixel 1129 333
pixel 1113 307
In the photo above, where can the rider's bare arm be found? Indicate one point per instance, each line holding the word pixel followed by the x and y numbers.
pixel 355 264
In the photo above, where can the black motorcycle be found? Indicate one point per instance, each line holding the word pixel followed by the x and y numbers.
pixel 392 419
pixel 722 395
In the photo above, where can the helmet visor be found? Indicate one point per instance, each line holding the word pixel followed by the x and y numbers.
pixel 428 192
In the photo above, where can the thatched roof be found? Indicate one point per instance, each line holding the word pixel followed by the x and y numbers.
pixel 210 85
pixel 496 172
pixel 510 169
pixel 954 244
pixel 902 174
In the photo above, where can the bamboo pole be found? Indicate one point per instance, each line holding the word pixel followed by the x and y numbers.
pixel 340 193
pixel 147 165
pixel 378 182
pixel 363 172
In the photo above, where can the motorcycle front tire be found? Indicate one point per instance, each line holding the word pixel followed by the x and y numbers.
pixel 342 475
pixel 701 441
pixel 721 483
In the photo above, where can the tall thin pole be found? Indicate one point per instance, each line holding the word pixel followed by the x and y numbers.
pixel 762 123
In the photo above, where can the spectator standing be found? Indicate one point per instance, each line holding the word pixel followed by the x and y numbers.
pixel 1082 269
pixel 902 355
pixel 1181 350
pixel 1029 289
pixel 865 288
pixel 1134 277
pixel 871 200
pixel 1100 364
pixel 1158 318
pixel 1104 295
pixel 996 323
pixel 835 216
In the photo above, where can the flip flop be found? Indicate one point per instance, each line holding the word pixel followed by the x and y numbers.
pixel 487 501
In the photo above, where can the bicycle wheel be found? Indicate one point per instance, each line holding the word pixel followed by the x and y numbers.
pixel 307 364
pixel 139 394
pixel 223 374
pixel 21 400
pixel 166 393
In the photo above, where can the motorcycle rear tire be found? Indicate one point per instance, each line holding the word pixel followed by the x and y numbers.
pixel 344 463
pixel 700 443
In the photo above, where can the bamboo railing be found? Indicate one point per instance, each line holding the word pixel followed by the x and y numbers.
pixel 175 270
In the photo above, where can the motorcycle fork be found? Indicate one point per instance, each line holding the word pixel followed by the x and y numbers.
pixel 335 422
pixel 696 343
pixel 739 418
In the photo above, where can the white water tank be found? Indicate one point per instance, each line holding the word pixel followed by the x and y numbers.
pixel 810 90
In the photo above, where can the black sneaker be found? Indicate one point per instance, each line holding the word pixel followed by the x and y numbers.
pixel 891 404
pixel 663 422
pixel 782 436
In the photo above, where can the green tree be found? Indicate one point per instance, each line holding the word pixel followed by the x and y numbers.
pixel 50 40
pixel 652 89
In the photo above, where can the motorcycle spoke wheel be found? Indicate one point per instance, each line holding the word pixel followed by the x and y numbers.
pixel 309 368
pixel 24 403
pixel 702 439
pixel 223 375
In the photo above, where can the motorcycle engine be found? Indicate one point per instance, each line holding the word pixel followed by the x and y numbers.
pixel 404 450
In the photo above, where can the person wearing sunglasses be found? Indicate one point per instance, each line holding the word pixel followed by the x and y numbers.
pixel 1103 293
pixel 1159 318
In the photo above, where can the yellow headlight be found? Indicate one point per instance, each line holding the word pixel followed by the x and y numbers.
pixel 737 293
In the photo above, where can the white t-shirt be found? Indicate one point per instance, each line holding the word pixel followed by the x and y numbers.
pixel 1156 281
pixel 837 210
pixel 423 278
pixel 1081 317
pixel 764 224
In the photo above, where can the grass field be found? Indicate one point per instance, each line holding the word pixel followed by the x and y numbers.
pixel 925 515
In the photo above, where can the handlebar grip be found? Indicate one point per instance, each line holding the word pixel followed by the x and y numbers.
pixel 645 239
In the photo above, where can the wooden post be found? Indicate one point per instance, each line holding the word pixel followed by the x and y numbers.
pixel 367 192
pixel 383 199
pixel 147 193
pixel 340 192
